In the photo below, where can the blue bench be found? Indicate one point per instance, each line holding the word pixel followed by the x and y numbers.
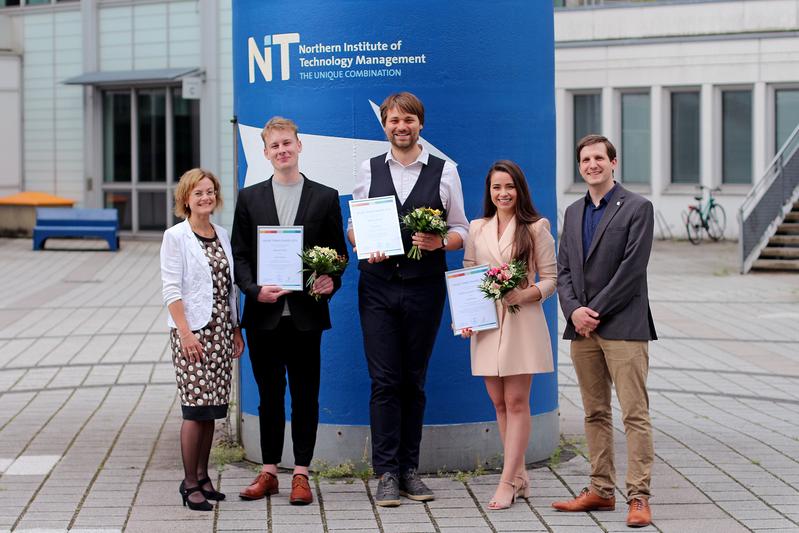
pixel 64 222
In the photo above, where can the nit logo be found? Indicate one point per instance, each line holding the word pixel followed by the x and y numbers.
pixel 264 61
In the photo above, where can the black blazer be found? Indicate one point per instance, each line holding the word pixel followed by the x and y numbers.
pixel 611 279
pixel 320 215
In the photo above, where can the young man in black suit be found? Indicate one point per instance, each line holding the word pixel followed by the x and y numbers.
pixel 602 288
pixel 284 329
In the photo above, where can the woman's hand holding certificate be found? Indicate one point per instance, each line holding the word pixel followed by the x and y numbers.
pixel 471 311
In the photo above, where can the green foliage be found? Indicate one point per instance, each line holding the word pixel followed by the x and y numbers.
pixel 575 445
pixel 226 452
pixel 346 471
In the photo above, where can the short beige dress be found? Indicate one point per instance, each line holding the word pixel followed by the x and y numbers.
pixel 521 344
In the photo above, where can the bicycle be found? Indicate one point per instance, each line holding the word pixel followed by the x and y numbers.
pixel 709 217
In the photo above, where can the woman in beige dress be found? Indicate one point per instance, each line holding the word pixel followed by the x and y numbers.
pixel 507 357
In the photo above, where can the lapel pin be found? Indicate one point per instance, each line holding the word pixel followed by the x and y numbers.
pixel 618 203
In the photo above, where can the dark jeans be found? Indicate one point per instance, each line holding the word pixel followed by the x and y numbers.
pixel 273 354
pixel 400 320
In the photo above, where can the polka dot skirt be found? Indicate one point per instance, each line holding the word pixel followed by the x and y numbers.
pixel 204 386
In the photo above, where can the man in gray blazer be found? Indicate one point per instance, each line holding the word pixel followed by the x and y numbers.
pixel 604 251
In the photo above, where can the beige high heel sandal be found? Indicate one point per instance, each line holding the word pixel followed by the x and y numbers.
pixel 523 491
pixel 494 505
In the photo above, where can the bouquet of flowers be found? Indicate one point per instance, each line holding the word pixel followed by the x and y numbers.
pixel 501 280
pixel 425 220
pixel 321 260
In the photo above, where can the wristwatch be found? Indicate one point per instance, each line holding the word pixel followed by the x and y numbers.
pixel 444 242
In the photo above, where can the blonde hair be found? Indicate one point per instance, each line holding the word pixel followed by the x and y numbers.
pixel 279 123
pixel 188 181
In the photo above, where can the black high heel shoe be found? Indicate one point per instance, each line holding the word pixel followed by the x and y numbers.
pixel 194 506
pixel 211 494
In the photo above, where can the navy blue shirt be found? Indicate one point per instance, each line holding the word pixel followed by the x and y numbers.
pixel 591 217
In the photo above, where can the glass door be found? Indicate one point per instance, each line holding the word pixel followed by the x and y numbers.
pixel 150 137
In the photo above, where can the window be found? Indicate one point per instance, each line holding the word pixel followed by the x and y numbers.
pixel 587 119
pixel 736 136
pixel 150 138
pixel 635 138
pixel 11 3
pixel 685 137
pixel 116 136
pixel 152 135
pixel 786 112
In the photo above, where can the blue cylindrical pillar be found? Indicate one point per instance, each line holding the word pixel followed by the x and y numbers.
pixel 487 84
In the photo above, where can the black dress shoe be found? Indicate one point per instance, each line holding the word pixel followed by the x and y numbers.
pixel 194 506
pixel 211 494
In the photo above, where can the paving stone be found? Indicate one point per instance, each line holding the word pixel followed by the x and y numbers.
pixel 295 529
pixel 670 525
pixel 722 445
pixel 776 523
pixel 463 522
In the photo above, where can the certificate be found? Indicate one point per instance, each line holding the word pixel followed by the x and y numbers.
pixel 375 223
pixel 469 306
pixel 279 261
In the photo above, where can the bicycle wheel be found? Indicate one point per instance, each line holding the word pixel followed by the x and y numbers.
pixel 693 226
pixel 716 222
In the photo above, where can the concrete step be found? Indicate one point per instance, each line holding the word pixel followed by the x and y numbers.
pixel 786 252
pixel 776 264
pixel 787 240
pixel 790 228
pixel 792 216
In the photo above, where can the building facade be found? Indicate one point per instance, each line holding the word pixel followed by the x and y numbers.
pixel 107 102
pixel 95 90
pixel 692 93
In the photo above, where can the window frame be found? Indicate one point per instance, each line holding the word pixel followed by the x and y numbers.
pixel 618 101
pixel 771 130
pixel 718 155
pixel 667 132
pixel 576 178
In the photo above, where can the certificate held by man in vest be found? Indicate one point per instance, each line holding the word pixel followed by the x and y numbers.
pixel 375 223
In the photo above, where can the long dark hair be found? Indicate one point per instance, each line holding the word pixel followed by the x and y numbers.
pixel 526 212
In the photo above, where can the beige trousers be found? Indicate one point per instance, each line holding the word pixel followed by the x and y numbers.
pixel 599 363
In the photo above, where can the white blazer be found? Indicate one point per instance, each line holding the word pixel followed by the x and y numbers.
pixel 186 275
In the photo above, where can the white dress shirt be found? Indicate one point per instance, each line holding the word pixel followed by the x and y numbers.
pixel 404 179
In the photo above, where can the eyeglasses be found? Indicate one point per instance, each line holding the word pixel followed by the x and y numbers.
pixel 200 194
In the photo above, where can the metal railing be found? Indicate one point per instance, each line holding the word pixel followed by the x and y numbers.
pixel 770 199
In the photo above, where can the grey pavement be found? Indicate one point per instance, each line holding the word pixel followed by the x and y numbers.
pixel 89 418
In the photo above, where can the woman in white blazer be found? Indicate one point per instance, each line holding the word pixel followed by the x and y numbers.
pixel 508 357
pixel 200 294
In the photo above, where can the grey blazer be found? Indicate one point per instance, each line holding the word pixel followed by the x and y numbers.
pixel 611 279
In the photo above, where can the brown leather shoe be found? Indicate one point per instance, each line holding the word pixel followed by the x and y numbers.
pixel 586 501
pixel 300 490
pixel 265 483
pixel 640 514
